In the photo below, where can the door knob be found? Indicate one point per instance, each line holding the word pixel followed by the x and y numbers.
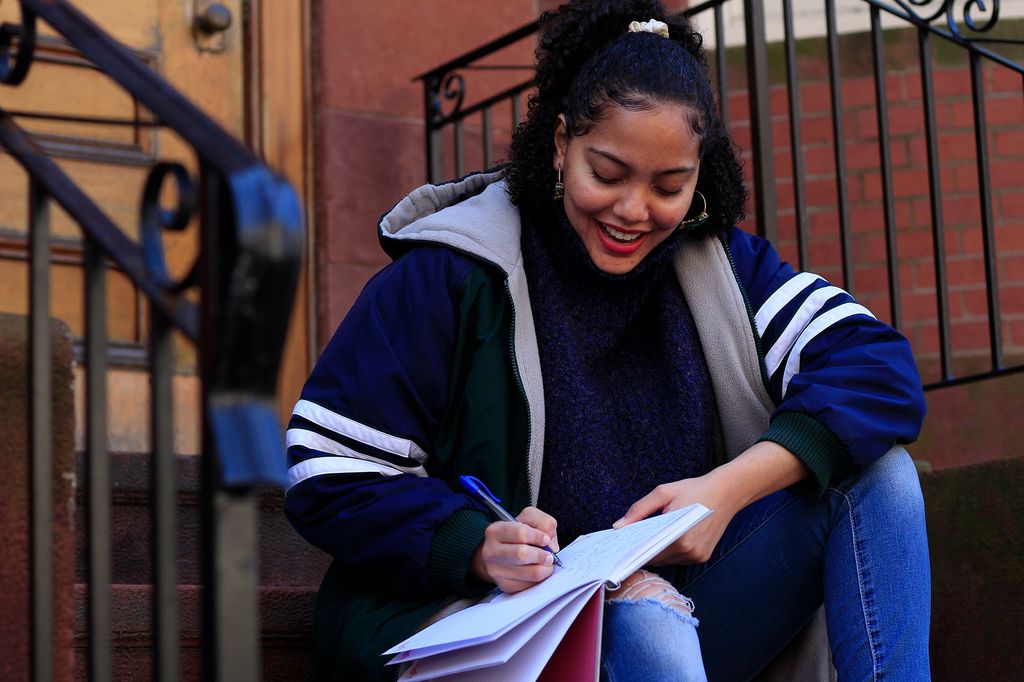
pixel 216 18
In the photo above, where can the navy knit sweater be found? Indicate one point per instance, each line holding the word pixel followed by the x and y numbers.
pixel 627 394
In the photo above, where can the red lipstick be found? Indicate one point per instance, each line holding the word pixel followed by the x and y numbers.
pixel 617 247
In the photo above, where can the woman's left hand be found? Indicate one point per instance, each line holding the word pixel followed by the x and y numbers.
pixel 761 470
pixel 696 545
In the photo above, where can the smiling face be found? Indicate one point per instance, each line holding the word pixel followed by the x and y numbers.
pixel 628 181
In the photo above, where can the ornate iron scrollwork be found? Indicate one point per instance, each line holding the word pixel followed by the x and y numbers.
pixel 969 20
pixel 455 89
pixel 971 11
pixel 916 9
pixel 14 67
pixel 450 87
pixel 154 218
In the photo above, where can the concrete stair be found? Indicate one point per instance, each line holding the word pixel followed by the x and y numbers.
pixel 290 572
pixel 975 528
pixel 15 514
pixel 976 539
pixel 286 622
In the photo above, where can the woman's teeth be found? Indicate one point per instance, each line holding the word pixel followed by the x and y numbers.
pixel 619 236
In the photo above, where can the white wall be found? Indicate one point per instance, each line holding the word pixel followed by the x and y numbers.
pixel 809 17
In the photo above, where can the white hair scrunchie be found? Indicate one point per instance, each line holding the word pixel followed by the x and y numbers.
pixel 652 26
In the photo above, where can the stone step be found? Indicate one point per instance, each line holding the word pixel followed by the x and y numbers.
pixel 16 571
pixel 976 540
pixel 285 558
pixel 286 621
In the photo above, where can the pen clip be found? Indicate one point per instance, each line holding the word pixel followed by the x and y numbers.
pixel 478 487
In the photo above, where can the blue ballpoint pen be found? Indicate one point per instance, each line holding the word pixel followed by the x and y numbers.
pixel 476 487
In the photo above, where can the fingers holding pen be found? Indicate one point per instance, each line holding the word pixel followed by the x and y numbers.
pixel 512 555
pixel 516 544
pixel 543 522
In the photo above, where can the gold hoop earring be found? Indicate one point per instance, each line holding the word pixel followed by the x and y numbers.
pixel 559 187
pixel 688 223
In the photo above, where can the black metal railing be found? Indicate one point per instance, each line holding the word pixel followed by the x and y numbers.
pixel 244 279
pixel 967 27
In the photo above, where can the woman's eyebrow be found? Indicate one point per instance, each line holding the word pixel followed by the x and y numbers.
pixel 619 162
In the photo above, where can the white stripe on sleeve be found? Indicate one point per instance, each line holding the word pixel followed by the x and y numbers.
pixel 360 432
pixel 318 466
pixel 819 325
pixel 315 441
pixel 808 309
pixel 783 295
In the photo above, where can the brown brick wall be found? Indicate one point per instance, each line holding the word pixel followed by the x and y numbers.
pixel 972 423
pixel 960 203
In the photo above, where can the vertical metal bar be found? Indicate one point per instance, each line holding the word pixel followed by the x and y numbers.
pixel 459 148
pixel 885 154
pixel 839 146
pixel 488 133
pixel 722 65
pixel 760 119
pixel 231 608
pixel 488 153
pixel 97 463
pixel 238 606
pixel 231 647
pixel 164 483
pixel 40 371
pixel 517 111
pixel 987 223
pixel 935 199
pixel 435 158
pixel 207 466
pixel 795 145
pixel 138 314
pixel 431 110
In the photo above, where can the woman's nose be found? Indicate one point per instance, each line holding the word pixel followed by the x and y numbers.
pixel 631 206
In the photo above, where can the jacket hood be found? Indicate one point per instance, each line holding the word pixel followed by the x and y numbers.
pixel 472 214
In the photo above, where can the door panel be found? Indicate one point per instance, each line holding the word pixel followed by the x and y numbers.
pixel 110 161
pixel 280 113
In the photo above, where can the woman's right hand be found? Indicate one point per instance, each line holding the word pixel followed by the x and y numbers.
pixel 512 555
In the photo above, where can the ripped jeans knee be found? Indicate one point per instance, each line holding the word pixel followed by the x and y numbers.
pixel 649 633
pixel 647 586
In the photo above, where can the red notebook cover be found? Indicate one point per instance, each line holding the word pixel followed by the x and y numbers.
pixel 578 656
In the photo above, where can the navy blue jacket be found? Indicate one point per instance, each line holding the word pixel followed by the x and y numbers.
pixel 434 373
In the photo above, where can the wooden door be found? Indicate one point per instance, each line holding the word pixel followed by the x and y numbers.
pixel 226 74
pixel 280 107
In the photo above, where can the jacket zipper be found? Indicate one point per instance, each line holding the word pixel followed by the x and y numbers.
pixel 522 390
pixel 529 421
pixel 750 315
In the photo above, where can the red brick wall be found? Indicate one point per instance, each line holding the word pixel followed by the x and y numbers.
pixel 959 195
pixel 966 424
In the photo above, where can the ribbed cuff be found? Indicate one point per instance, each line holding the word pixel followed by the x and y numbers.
pixel 452 553
pixel 813 443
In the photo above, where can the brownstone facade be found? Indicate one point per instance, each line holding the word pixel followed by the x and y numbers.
pixel 370 152
pixel 369 119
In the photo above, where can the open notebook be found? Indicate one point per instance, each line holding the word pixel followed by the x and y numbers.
pixel 551 630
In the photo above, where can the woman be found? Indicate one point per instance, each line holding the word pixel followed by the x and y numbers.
pixel 586 331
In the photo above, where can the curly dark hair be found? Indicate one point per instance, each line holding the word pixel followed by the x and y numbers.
pixel 586 60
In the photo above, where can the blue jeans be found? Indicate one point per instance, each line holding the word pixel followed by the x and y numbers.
pixel 647 641
pixel 861 549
